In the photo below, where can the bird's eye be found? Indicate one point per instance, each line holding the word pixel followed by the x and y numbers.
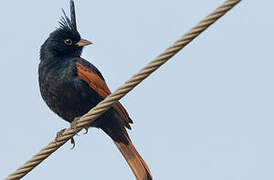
pixel 68 42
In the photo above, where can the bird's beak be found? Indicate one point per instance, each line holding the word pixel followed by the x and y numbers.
pixel 83 42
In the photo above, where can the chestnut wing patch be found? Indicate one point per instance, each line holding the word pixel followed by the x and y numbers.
pixel 100 86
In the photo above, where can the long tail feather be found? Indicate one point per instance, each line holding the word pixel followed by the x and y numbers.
pixel 134 160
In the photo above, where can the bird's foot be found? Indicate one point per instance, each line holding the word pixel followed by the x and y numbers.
pixel 73 125
pixel 59 134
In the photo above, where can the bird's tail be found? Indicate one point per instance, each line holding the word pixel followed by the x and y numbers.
pixel 133 158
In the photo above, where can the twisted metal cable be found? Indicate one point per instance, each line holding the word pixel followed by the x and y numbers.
pixel 104 105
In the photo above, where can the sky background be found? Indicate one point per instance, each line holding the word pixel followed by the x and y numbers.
pixel 206 114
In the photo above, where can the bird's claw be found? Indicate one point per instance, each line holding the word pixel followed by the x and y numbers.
pixel 72 141
pixel 86 130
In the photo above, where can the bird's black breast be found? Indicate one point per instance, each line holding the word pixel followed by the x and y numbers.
pixel 62 90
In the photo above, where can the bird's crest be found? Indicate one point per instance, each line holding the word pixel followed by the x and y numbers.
pixel 65 22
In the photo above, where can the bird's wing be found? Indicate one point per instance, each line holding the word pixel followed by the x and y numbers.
pixel 100 86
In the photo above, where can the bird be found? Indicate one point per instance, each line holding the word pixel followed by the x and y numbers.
pixel 71 86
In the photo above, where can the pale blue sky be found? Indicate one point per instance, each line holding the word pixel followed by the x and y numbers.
pixel 207 114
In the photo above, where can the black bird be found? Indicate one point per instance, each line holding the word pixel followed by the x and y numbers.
pixel 71 86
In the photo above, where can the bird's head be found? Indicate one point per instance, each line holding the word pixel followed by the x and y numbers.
pixel 65 41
